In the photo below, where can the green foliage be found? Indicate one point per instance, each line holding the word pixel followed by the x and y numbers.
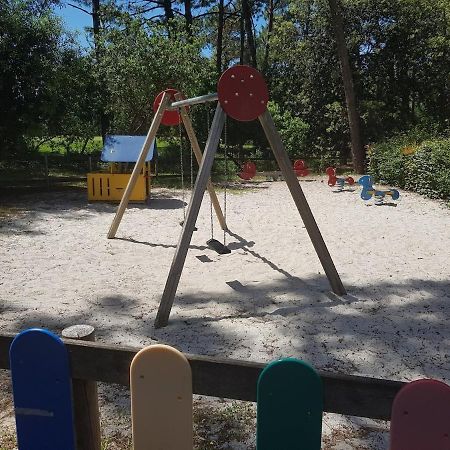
pixel 73 105
pixel 64 145
pixel 139 62
pixel 292 129
pixel 399 52
pixel 53 95
pixel 430 169
pixel 46 85
pixel 421 167
pixel 28 51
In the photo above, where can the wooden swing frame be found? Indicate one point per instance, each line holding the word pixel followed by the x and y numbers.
pixel 203 182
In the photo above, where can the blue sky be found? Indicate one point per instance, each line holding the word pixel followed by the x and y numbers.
pixel 75 21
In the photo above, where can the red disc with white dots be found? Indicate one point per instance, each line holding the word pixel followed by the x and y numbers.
pixel 243 93
pixel 169 118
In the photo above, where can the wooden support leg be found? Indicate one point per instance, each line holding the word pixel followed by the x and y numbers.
pixel 85 397
pixel 198 155
pixel 301 203
pixel 139 165
pixel 191 216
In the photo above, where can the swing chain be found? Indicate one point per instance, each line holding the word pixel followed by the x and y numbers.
pixel 192 171
pixel 182 172
pixel 210 202
pixel 226 180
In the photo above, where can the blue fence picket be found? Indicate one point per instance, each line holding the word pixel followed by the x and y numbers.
pixel 42 391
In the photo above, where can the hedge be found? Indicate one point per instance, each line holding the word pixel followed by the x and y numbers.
pixel 421 167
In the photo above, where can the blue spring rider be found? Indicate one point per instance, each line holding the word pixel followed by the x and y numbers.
pixel 368 191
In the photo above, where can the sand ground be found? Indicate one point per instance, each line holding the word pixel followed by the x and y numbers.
pixel 268 299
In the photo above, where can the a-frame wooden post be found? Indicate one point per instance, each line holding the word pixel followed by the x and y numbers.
pixel 284 163
pixel 300 201
pixel 198 155
pixel 282 158
pixel 179 258
pixel 165 100
pixel 139 165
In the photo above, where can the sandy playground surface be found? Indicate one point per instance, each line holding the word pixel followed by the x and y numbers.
pixel 269 298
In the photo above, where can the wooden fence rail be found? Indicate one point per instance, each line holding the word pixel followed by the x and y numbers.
pixel 225 378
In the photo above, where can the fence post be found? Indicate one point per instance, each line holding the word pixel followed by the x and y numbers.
pixel 46 170
pixel 85 398
pixel 90 163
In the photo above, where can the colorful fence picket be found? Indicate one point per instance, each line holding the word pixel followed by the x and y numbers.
pixel 289 402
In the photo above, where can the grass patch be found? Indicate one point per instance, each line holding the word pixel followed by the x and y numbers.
pixel 216 426
pixel 60 145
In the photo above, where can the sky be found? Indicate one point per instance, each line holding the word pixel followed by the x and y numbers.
pixel 75 21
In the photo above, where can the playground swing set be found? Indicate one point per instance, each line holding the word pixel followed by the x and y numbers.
pixel 242 94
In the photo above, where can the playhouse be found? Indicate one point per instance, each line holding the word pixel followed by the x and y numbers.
pixel 121 154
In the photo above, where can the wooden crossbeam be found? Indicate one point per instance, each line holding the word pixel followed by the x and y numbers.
pixel 225 378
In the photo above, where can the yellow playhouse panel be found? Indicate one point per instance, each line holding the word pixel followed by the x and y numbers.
pixel 111 186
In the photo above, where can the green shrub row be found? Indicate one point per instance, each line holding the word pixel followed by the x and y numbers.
pixel 420 167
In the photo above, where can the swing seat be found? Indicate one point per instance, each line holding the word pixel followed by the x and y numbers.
pixel 218 247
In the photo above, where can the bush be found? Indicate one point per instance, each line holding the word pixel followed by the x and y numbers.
pixel 293 131
pixel 421 167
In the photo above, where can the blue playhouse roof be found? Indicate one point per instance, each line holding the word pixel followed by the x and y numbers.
pixel 125 148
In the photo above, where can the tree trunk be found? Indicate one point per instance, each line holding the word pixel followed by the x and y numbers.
pixel 104 121
pixel 246 9
pixel 242 36
pixel 358 152
pixel 188 16
pixel 85 143
pixel 96 21
pixel 308 20
pixel 269 31
pixel 220 38
pixel 168 12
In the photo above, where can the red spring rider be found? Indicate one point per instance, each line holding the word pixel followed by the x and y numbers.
pixel 248 171
pixel 300 168
pixel 339 181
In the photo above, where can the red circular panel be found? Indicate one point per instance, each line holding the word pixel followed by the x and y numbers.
pixel 170 118
pixel 350 180
pixel 243 93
